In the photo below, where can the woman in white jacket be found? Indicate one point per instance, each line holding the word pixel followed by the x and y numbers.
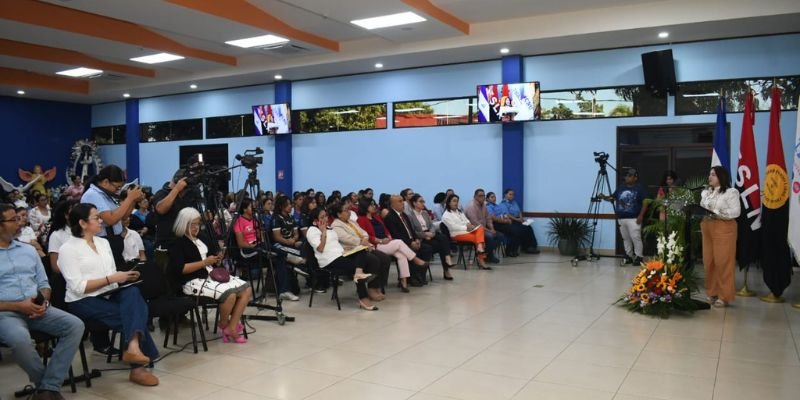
pixel 719 237
pixel 461 230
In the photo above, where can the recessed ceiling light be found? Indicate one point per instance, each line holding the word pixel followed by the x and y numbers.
pixel 504 50
pixel 20 92
pixel 378 65
pixel 663 35
pixel 157 58
pixel 126 95
pixel 193 86
pixel 80 72
pixel 264 40
pixel 278 77
pixel 385 21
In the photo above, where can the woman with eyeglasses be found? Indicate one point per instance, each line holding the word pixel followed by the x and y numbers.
pixel 87 264
pixel 103 191
pixel 191 258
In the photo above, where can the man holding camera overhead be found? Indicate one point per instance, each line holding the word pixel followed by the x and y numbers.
pixel 169 201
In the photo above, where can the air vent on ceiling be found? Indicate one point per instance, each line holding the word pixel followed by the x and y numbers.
pixel 111 77
pixel 285 49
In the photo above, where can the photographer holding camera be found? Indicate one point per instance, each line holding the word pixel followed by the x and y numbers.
pixel 169 201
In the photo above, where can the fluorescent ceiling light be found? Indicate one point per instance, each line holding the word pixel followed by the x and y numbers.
pixel 663 35
pixel 701 95
pixel 126 95
pixel 350 111
pixel 257 41
pixel 410 109
pixel 278 77
pixel 386 21
pixel 20 92
pixel 157 58
pixel 504 50
pixel 378 65
pixel 193 86
pixel 80 72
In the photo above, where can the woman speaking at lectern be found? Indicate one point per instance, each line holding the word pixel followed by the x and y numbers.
pixel 719 237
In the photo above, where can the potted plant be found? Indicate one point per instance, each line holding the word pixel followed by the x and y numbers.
pixel 569 234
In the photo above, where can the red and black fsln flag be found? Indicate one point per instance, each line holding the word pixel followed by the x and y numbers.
pixel 775 259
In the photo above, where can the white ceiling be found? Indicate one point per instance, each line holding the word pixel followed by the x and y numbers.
pixel 528 27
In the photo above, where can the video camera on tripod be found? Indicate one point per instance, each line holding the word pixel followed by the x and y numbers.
pixel 249 159
pixel 600 157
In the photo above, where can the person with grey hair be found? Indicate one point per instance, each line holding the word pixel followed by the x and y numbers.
pixel 190 261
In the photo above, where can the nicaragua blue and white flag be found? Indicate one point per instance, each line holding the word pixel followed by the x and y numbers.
pixel 721 155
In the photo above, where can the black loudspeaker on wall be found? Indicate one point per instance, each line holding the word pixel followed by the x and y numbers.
pixel 659 72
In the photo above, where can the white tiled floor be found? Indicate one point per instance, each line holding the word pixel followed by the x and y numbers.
pixel 534 328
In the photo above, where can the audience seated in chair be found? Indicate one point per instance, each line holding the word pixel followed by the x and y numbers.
pixel 330 256
pixel 87 264
pixel 21 282
pixel 351 236
pixel 528 240
pixel 379 236
pixel 517 235
pixel 426 231
pixel 479 215
pixel 190 261
pixel 399 226
pixel 462 230
pixel 246 233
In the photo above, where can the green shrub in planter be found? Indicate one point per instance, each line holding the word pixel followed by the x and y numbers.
pixel 569 234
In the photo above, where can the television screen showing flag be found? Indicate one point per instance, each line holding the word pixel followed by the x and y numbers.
pixel 272 119
pixel 509 102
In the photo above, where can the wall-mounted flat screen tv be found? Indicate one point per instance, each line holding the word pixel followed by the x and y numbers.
pixel 509 102
pixel 272 119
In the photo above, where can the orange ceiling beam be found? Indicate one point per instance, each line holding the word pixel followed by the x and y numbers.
pixel 76 21
pixel 62 56
pixel 443 16
pixel 245 13
pixel 25 79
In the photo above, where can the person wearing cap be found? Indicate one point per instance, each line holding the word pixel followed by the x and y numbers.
pixel 629 206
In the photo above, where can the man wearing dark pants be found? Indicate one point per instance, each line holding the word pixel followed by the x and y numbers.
pixel 629 206
pixel 21 282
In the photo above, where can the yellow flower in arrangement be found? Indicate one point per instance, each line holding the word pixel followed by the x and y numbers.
pixel 643 281
pixel 645 297
pixel 640 288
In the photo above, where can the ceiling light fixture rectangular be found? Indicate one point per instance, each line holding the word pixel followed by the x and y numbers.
pixel 386 21
pixel 157 58
pixel 80 72
pixel 257 41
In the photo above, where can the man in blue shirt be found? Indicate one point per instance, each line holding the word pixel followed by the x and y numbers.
pixel 22 280
pixel 629 206
pixel 516 226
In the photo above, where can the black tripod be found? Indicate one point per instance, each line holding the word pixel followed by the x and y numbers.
pixel 252 188
pixel 601 185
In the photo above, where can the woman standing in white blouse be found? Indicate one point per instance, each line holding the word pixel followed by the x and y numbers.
pixel 87 265
pixel 719 237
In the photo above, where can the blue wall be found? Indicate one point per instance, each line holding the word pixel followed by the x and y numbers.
pixel 558 162
pixel 572 163
pixel 429 160
pixel 40 132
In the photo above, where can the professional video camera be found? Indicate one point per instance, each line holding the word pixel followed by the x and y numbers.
pixel 600 157
pixel 249 159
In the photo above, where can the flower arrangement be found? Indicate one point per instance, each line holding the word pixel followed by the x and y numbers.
pixel 661 285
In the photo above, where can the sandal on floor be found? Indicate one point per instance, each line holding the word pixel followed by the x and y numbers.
pixel 364 307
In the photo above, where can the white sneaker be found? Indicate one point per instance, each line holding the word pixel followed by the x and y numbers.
pixel 719 303
pixel 289 296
